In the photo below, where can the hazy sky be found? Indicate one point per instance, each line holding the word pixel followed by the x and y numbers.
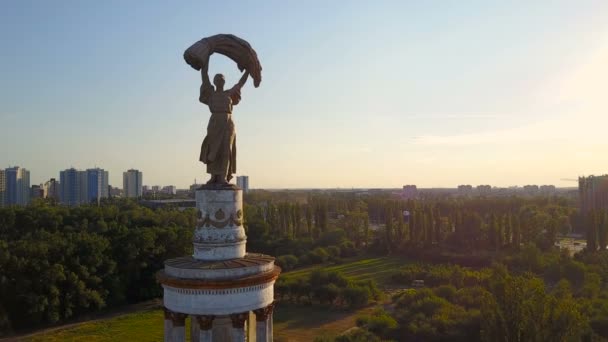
pixel 354 93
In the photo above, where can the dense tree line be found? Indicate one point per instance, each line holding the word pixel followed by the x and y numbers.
pixel 58 262
pixel 383 224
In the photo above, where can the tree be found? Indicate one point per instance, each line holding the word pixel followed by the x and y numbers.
pixel 309 224
pixel 516 232
pixel 602 229
pixel 388 230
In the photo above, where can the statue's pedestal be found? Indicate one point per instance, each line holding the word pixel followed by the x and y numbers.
pixel 220 282
pixel 219 233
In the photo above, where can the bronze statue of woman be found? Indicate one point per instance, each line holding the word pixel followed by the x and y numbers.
pixel 218 150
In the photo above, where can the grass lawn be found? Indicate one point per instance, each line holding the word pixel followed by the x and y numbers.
pixel 379 269
pixel 291 322
pixel 138 326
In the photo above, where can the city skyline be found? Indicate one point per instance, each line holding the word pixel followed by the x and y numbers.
pixel 570 183
pixel 368 97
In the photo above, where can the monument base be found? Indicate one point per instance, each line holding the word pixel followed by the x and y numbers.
pixel 210 292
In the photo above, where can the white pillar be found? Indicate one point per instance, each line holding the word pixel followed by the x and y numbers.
pixel 263 327
pixel 194 329
pixel 269 332
pixel 205 336
pixel 238 326
pixel 205 328
pixel 168 325
pixel 222 329
pixel 178 333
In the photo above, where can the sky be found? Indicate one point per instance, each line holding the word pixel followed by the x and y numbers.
pixel 354 93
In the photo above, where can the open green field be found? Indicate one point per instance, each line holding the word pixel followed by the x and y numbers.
pixel 379 269
pixel 291 322
pixel 138 326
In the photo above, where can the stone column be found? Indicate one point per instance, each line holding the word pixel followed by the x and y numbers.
pixel 269 321
pixel 263 329
pixel 168 325
pixel 238 326
pixel 194 329
pixel 178 333
pixel 205 325
pixel 222 329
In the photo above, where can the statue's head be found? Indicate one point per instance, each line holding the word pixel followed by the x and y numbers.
pixel 219 81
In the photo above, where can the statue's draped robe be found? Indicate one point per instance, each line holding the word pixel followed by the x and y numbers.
pixel 218 150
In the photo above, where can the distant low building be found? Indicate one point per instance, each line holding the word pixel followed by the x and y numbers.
pixel 409 192
pixel 169 190
pixel 243 183
pixel 547 190
pixel 115 192
pixel 531 190
pixel 484 190
pixel 37 191
pixel 465 190
pixel 51 189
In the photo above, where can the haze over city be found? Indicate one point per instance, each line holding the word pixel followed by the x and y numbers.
pixel 435 94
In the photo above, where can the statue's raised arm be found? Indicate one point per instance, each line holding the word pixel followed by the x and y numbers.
pixel 218 150
pixel 206 87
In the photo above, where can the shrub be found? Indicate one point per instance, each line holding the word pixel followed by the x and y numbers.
pixel 379 323
pixel 333 251
pixel 445 291
pixel 355 295
pixel 318 255
pixel 287 262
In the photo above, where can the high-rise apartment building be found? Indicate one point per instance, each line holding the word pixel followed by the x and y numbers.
pixel 132 183
pixel 96 184
pixel 593 192
pixel 243 183
pixel 83 187
pixel 70 183
pixel 17 186
pixel 2 188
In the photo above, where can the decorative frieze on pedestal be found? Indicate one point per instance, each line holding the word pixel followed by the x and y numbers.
pixel 220 284
pixel 219 233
